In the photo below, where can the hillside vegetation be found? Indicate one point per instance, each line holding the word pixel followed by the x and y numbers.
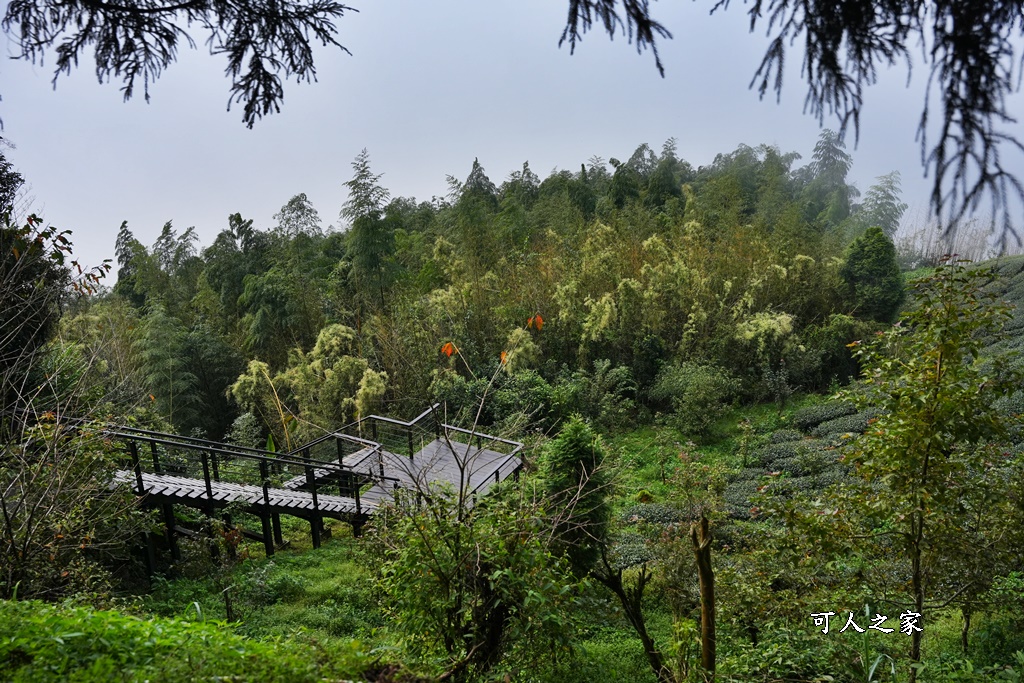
pixel 752 444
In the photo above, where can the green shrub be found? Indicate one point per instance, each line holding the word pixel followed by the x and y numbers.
pixel 1011 405
pixel 770 455
pixel 807 418
pixel 524 399
pixel 651 513
pixel 523 393
pixel 608 396
pixel 44 643
pixel 823 356
pixel 796 465
pixel 872 274
pixel 266 585
pixel 850 424
pixel 738 497
pixel 697 393
pixel 785 436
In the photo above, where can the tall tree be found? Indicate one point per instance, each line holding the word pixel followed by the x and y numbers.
pixel 923 461
pixel 873 277
pixel 165 364
pixel 883 205
pixel 827 192
pixel 34 283
pixel 475 208
pixel 371 237
pixel 132 257
pixel 298 217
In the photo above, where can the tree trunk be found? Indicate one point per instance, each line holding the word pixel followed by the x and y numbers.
pixel 965 629
pixel 917 585
pixel 701 537
pixel 631 600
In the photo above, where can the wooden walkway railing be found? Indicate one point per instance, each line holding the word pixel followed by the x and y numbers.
pixel 342 475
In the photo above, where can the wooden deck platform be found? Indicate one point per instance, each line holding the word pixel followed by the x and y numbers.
pixel 440 463
pixel 341 476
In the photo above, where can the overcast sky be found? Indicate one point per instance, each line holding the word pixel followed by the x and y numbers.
pixel 429 86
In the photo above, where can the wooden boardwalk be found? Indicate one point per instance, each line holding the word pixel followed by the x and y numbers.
pixel 166 488
pixel 441 464
pixel 339 476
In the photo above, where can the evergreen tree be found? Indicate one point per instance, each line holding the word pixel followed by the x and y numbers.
pixel 298 217
pixel 829 197
pixel 130 256
pixel 882 205
pixel 371 237
pixel 872 275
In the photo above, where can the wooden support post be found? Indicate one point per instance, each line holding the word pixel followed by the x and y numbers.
pixel 268 538
pixel 133 448
pixel 356 485
pixel 156 457
pixel 276 521
pixel 229 526
pixel 150 553
pixel 315 522
pixel 172 539
pixel 214 552
pixel 209 486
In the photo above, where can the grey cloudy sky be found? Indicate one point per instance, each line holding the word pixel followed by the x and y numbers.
pixel 429 86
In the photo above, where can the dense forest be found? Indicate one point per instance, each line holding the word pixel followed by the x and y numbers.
pixel 762 443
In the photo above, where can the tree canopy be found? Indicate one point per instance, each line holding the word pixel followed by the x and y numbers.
pixel 971 51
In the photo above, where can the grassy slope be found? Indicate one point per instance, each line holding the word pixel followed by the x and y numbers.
pixel 52 643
